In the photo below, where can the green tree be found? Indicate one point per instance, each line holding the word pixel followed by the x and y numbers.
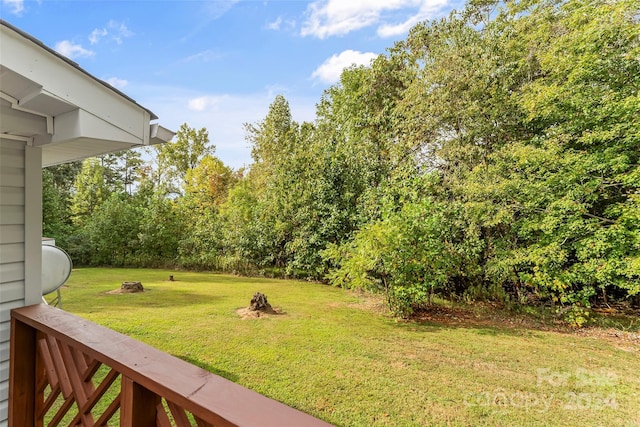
pixel 206 188
pixel 177 157
pixel 90 190
pixel 112 232
pixel 272 175
pixel 161 229
pixel 527 113
pixel 53 208
pixel 246 240
pixel 208 183
pixel 419 247
pixel 63 177
pixel 57 189
pixel 570 192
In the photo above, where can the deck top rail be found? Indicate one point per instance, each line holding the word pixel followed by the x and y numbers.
pixel 58 352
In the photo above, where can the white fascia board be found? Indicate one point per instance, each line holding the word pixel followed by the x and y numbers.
pixel 15 104
pixel 160 134
pixel 82 124
pixel 72 86
pixel 46 103
pixel 20 122
pixel 16 85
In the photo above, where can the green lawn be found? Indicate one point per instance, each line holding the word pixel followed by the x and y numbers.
pixel 337 356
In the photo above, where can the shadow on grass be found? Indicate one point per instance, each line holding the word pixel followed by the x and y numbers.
pixel 159 297
pixel 207 367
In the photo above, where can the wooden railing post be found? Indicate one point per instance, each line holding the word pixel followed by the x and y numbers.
pixel 138 406
pixel 22 375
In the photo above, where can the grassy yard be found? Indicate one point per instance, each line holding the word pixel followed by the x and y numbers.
pixel 338 356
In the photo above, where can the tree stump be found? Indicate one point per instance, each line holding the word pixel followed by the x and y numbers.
pixel 259 303
pixel 131 287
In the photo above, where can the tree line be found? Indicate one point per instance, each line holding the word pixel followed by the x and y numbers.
pixel 493 153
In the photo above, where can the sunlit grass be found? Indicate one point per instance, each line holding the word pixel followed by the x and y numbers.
pixel 337 356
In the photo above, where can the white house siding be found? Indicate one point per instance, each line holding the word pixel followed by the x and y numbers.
pixel 12 252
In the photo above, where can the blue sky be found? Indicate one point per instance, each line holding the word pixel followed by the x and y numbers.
pixel 219 64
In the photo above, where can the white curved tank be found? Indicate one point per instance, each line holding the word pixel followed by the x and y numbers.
pixel 56 268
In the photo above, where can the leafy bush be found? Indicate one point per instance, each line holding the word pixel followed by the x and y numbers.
pixel 410 254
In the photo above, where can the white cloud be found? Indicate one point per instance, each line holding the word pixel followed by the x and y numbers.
pixel 116 82
pixel 202 103
pixel 390 30
pixel 70 50
pixel 329 72
pixel 326 18
pixel 16 5
pixel 281 24
pixel 275 25
pixel 119 31
pixel 97 34
pixel 428 10
pixel 116 30
pixel 218 8
pixel 204 56
pixel 275 90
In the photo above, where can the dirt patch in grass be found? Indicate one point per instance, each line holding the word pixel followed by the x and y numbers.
pixel 488 315
pixel 246 313
pixel 492 315
pixel 372 304
pixel 124 291
pixel 484 315
pixel 623 340
pixel 366 301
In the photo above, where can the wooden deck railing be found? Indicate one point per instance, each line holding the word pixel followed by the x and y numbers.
pixel 65 370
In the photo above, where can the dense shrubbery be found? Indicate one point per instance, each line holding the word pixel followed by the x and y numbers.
pixel 494 152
